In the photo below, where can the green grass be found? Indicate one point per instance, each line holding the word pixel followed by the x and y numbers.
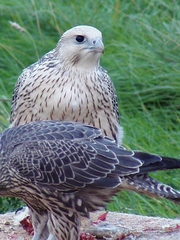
pixel 142 45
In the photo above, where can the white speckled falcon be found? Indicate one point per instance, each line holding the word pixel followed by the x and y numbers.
pixel 68 84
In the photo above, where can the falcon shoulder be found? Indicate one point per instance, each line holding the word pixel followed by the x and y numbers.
pixel 24 78
pixel 112 93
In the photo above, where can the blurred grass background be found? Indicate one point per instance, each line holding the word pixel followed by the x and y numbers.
pixel 142 45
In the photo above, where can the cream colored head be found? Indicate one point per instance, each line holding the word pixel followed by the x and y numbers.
pixel 81 46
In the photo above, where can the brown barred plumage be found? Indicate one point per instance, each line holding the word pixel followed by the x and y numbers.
pixel 64 170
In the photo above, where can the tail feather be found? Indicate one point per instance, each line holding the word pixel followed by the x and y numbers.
pixel 150 187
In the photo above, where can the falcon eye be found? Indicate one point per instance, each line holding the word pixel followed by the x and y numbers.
pixel 80 38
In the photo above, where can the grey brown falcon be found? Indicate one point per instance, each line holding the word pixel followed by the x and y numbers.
pixel 68 84
pixel 64 170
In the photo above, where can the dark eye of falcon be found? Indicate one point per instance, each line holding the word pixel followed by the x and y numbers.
pixel 80 38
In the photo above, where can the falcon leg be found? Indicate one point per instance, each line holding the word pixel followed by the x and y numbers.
pixel 51 237
pixel 39 222
pixel 63 226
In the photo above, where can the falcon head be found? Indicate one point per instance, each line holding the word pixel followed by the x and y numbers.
pixel 81 46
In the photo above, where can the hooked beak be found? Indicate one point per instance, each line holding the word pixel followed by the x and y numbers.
pixel 97 45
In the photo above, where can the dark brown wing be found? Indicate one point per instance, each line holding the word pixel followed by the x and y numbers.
pixel 66 155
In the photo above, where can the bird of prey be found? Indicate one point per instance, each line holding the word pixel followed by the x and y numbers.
pixel 68 84
pixel 64 170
